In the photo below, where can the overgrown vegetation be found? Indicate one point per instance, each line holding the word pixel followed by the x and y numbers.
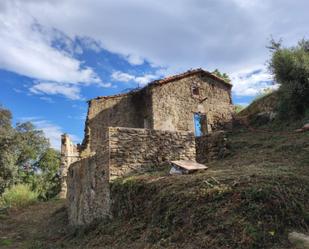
pixel 251 199
pixel 20 195
pixel 239 108
pixel 26 158
pixel 290 67
pixel 224 76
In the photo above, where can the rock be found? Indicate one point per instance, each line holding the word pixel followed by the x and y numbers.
pixel 299 130
pixel 303 129
pixel 299 240
pixel 306 127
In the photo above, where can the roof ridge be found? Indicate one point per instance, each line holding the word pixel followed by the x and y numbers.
pixel 167 80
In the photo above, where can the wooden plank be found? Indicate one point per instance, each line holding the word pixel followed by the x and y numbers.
pixel 189 165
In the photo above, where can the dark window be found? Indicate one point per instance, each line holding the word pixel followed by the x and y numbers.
pixel 195 90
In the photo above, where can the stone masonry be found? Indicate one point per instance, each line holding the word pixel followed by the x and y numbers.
pixel 131 150
pixel 69 155
pixel 167 104
pixel 148 127
pixel 125 151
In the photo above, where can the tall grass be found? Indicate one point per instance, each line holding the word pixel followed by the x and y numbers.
pixel 18 196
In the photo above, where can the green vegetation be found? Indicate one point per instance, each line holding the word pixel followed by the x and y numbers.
pixel 223 76
pixel 290 67
pixel 5 242
pixel 252 198
pixel 26 158
pixel 239 108
pixel 18 196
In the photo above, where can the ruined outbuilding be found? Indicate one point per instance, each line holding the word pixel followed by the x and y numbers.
pixel 144 128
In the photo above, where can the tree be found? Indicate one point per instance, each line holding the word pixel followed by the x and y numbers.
pixel 26 157
pixel 8 168
pixel 223 76
pixel 48 178
pixel 290 67
pixel 31 144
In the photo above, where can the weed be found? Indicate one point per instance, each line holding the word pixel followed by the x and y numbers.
pixel 18 196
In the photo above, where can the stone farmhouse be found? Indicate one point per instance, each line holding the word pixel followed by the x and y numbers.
pixel 169 119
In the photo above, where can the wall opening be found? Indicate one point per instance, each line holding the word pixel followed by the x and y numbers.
pixel 195 91
pixel 146 123
pixel 200 124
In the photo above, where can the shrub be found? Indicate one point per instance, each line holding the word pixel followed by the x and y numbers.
pixel 290 67
pixel 17 196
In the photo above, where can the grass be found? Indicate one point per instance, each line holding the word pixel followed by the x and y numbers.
pixel 5 242
pixel 252 198
pixel 18 196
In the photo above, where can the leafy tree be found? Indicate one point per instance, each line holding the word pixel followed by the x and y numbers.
pixel 221 75
pixel 8 168
pixel 290 67
pixel 26 157
pixel 31 144
pixel 48 179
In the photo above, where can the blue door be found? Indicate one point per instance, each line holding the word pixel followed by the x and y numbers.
pixel 200 124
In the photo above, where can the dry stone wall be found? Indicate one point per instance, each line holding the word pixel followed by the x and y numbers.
pixel 69 155
pixel 211 147
pixel 88 195
pixel 124 110
pixel 134 149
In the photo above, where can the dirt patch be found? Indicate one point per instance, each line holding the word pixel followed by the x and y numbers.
pixel 27 227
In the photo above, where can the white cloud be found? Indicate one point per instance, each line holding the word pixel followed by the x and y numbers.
pixel 52 88
pixel 252 81
pixel 134 59
pixel 47 99
pixel 26 50
pixel 145 79
pixel 176 34
pixel 52 131
pixel 121 76
pixel 126 77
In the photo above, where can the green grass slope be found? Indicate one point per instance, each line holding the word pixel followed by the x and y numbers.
pixel 251 198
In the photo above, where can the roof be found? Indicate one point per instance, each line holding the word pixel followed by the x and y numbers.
pixel 171 79
pixel 188 74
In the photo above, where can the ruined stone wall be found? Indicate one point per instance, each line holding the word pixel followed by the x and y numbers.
pixel 69 155
pixel 88 197
pixel 134 149
pixel 126 110
pixel 211 147
pixel 174 104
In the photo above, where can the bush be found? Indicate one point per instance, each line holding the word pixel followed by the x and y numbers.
pixel 290 67
pixel 17 196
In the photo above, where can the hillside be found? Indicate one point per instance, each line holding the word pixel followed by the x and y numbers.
pixel 250 199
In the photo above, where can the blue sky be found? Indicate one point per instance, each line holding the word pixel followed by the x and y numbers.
pixel 57 54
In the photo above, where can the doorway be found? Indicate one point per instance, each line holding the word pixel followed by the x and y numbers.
pixel 200 124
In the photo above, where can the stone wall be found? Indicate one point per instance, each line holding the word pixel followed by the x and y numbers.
pixel 174 103
pixel 168 106
pixel 124 151
pixel 123 110
pixel 69 155
pixel 88 195
pixel 134 149
pixel 211 147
